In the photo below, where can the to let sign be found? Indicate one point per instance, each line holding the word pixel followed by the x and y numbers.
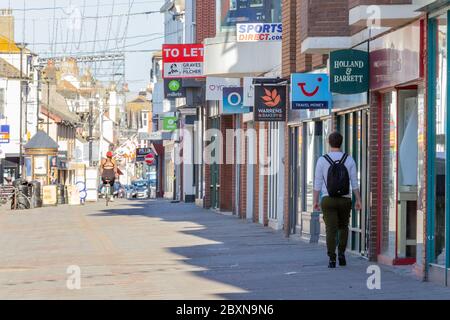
pixel 349 71
pixel 183 60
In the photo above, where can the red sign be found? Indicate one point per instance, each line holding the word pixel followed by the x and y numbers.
pixel 183 60
pixel 149 159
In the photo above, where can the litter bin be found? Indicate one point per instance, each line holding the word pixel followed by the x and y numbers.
pixel 61 195
pixel 36 196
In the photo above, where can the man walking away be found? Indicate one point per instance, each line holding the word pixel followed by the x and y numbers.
pixel 335 172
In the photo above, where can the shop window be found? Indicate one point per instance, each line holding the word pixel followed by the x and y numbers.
pixel 232 12
pixel 440 190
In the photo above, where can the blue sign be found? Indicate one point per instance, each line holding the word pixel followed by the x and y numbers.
pixel 4 133
pixel 233 101
pixel 310 91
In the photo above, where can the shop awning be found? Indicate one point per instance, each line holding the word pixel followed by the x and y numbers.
pixel 434 6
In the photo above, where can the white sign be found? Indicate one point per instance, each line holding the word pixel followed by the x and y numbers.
pixel 254 32
pixel 214 87
pixel 183 70
pixel 183 60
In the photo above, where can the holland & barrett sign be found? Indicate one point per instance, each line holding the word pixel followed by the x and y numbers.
pixel 349 71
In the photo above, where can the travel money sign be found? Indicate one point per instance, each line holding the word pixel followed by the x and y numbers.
pixel 349 71
pixel 182 60
pixel 310 91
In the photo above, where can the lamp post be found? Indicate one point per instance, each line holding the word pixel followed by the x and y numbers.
pixel 21 46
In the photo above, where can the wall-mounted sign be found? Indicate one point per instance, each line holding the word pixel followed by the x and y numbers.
pixel 4 133
pixel 141 153
pixel 349 71
pixel 310 91
pixel 233 101
pixel 183 60
pixel 253 32
pixel 233 12
pixel 173 89
pixel 270 103
pixel 214 87
pixel 170 123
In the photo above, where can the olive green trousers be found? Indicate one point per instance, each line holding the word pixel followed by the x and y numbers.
pixel 336 214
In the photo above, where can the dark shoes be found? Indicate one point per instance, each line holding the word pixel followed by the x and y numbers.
pixel 332 264
pixel 342 261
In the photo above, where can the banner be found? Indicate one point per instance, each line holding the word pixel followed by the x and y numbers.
pixel 182 60
pixel 310 91
pixel 253 32
pixel 349 71
pixel 170 123
pixel 173 89
pixel 215 85
pixel 233 101
pixel 270 103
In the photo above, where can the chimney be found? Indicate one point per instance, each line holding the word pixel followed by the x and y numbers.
pixel 7 24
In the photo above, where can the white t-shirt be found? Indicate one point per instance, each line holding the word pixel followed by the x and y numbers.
pixel 322 173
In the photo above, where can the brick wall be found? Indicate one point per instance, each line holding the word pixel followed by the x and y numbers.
pixel 289 37
pixel 375 158
pixel 243 182
pixel 205 19
pixel 256 177
pixel 226 171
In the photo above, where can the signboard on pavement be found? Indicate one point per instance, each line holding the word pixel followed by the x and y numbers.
pixel 183 60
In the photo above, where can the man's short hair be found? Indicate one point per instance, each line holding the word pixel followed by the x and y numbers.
pixel 335 140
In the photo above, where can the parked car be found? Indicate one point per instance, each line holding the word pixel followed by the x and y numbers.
pixel 141 188
pixel 119 190
pixel 130 192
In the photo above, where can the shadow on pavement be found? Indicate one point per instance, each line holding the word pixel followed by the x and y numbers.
pixel 265 265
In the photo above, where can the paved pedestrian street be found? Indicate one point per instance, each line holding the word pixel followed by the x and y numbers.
pixel 160 250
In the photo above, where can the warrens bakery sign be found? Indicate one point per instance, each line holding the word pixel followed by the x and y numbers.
pixel 349 71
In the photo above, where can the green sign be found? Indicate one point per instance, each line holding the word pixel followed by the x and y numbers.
pixel 170 123
pixel 349 71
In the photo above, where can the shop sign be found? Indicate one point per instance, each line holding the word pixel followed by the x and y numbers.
pixel 170 123
pixel 248 11
pixel 182 60
pixel 255 32
pixel 395 58
pixel 310 91
pixel 233 101
pixel 173 89
pixel 141 153
pixel 4 133
pixel 270 103
pixel 349 71
pixel 214 87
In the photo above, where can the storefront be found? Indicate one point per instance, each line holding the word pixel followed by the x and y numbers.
pixel 397 91
pixel 309 131
pixel 438 167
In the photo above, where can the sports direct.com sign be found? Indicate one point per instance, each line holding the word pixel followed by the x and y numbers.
pixel 183 60
pixel 251 32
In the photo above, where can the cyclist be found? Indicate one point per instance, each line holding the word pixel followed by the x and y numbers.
pixel 108 171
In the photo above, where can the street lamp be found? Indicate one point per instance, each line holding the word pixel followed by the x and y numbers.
pixel 21 46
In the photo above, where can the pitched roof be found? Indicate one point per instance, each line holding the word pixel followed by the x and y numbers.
pixel 41 140
pixel 8 71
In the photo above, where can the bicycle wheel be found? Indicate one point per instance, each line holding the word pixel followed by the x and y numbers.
pixel 107 195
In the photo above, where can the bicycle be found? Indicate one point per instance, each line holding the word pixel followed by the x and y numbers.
pixel 107 191
pixel 19 201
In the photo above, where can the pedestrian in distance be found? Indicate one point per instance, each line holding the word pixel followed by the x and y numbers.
pixel 334 174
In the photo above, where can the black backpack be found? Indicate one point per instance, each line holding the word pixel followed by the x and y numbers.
pixel 338 179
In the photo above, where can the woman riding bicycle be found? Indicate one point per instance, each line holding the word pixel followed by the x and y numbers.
pixel 108 170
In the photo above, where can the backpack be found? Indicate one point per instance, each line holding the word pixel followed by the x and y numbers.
pixel 338 179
